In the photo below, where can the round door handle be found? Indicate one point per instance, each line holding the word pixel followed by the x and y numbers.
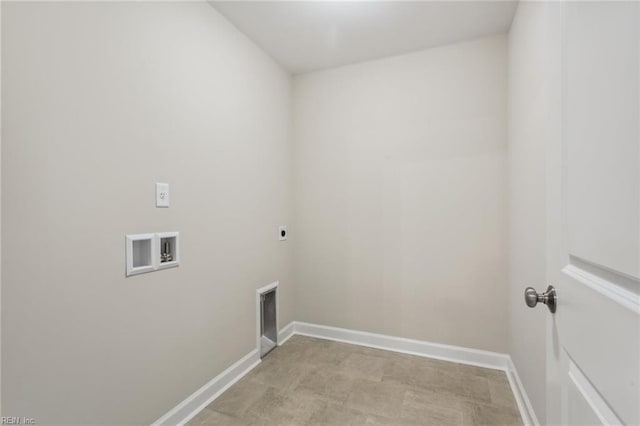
pixel 549 298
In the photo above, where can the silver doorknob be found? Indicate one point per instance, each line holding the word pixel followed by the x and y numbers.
pixel 549 298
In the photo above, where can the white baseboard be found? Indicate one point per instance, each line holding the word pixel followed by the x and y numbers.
pixel 286 333
pixel 198 400
pixel 494 360
pixel 191 406
pixel 524 404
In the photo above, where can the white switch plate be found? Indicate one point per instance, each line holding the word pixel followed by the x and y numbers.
pixel 162 195
pixel 282 233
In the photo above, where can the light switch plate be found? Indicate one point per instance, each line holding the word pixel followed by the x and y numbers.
pixel 282 233
pixel 162 195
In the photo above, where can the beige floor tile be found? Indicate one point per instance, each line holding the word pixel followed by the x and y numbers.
pixel 310 381
pixel 399 372
pixel 380 353
pixel 334 414
pixel 500 390
pixel 420 407
pixel 325 353
pixel 209 417
pixel 293 353
pixel 281 375
pixel 420 372
pixel 475 388
pixel 376 398
pixel 238 398
pixel 361 366
pixel 435 379
pixel 475 414
pixel 440 365
pixel 326 385
pixel 276 407
pixel 452 383
pixel 374 420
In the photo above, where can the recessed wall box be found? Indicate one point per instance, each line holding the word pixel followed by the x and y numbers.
pixel 169 250
pixel 140 253
pixel 150 252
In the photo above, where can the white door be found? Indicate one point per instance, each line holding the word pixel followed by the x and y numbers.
pixel 593 356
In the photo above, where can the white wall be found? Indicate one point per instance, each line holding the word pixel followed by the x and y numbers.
pixel 400 195
pixel 99 102
pixel 534 126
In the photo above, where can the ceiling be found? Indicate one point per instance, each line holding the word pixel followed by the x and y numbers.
pixel 305 36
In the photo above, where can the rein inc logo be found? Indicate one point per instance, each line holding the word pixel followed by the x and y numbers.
pixel 15 420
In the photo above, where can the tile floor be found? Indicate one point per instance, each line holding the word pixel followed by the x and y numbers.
pixel 310 381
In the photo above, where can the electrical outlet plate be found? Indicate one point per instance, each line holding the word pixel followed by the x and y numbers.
pixel 162 195
pixel 282 233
